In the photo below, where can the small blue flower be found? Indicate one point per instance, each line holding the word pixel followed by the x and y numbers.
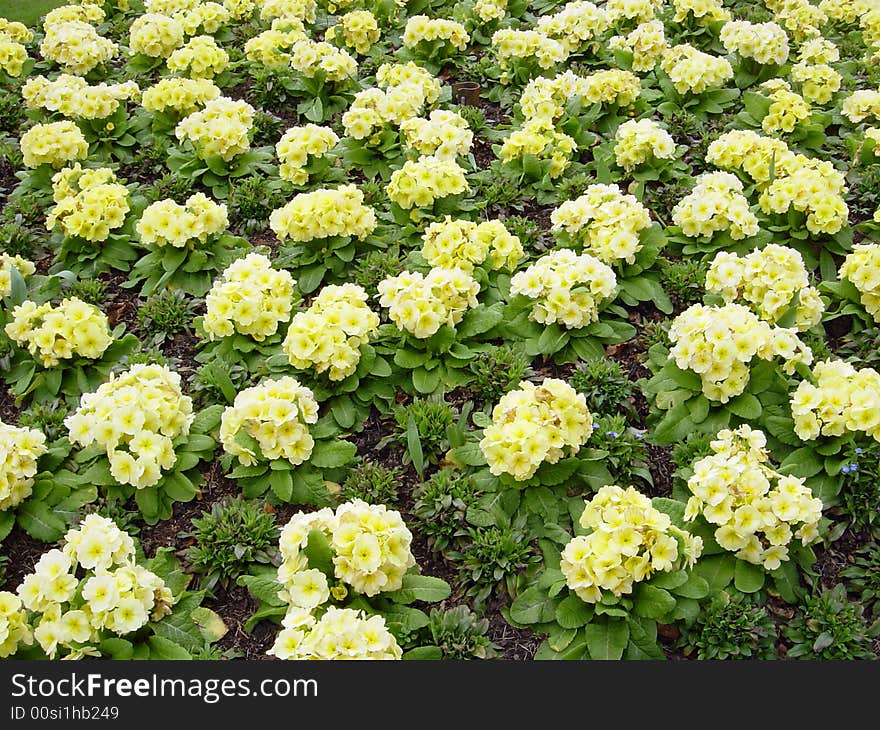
pixel 848 468
pixel 860 450
pixel 612 434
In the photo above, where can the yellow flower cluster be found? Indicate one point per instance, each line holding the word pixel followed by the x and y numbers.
pixel 568 288
pixel 420 182
pixel 359 30
pixel 461 244
pixel 489 10
pixel 605 221
pixel 55 143
pixel 861 105
pixel 276 414
pixel 787 109
pixel 324 213
pixel 183 96
pixel 768 280
pixel 250 298
pixel 640 11
pixel 756 508
pixel 509 43
pixel 170 7
pixel 20 449
pixel 766 43
pixel 13 54
pixel 271 47
pixel 72 96
pixel 818 50
pixel 811 186
pixel 155 35
pixel 370 545
pixel 421 28
pixel 545 99
pixel 302 10
pixel 691 70
pixel 638 141
pixel 208 17
pixel 295 147
pixel 240 9
pixel 76 46
pixel 800 17
pixel 88 203
pixel 135 416
pixel 862 268
pixel 444 134
pixel 578 22
pixel 15 31
pixel 340 633
pixel 199 58
pixel 630 540
pixel 535 424
pixel 421 304
pixel 703 11
pixel 846 11
pixel 647 42
pixel 819 82
pixel 72 329
pixel 715 204
pixel 312 57
pixel 719 343
pixel 329 334
pixel 221 129
pixel 540 138
pixel 7 263
pixel 409 89
pixel 117 594
pixel 168 223
pixel 843 399
pixel 14 629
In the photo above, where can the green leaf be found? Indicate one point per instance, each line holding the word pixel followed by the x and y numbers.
pixel 652 602
pixel 533 606
pixel 148 501
pixel 179 488
pixel 479 320
pixel 332 454
pixel 572 612
pixel 414 446
pixel 7 520
pixel 344 411
pixel 748 578
pixel 717 570
pixel 99 474
pixel 426 381
pixel 423 653
pixel 420 588
pixel 745 406
pixel 116 648
pixel 643 636
pixel 696 587
pixel 161 648
pixel 210 624
pixel 319 553
pixel 787 581
pixel 606 638
pixel 281 483
pixel 39 521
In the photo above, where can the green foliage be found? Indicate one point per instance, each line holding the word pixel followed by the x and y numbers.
pixel 251 200
pixel 863 577
pixel 169 186
pixel 218 381
pixel 268 128
pixel 683 280
pixel 18 238
pixel 375 266
pixel 626 449
pixel 731 626
pixel 460 634
pixel 491 560
pixel 47 416
pixel 528 232
pixel 165 314
pixel 115 510
pixel 605 385
pixel 236 534
pixel 427 420
pixel 441 504
pixel 499 370
pixel 93 291
pixel 473 115
pixel 860 489
pixel 372 482
pixel 828 626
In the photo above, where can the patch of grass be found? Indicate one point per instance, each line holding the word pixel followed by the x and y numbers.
pixel 28 13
